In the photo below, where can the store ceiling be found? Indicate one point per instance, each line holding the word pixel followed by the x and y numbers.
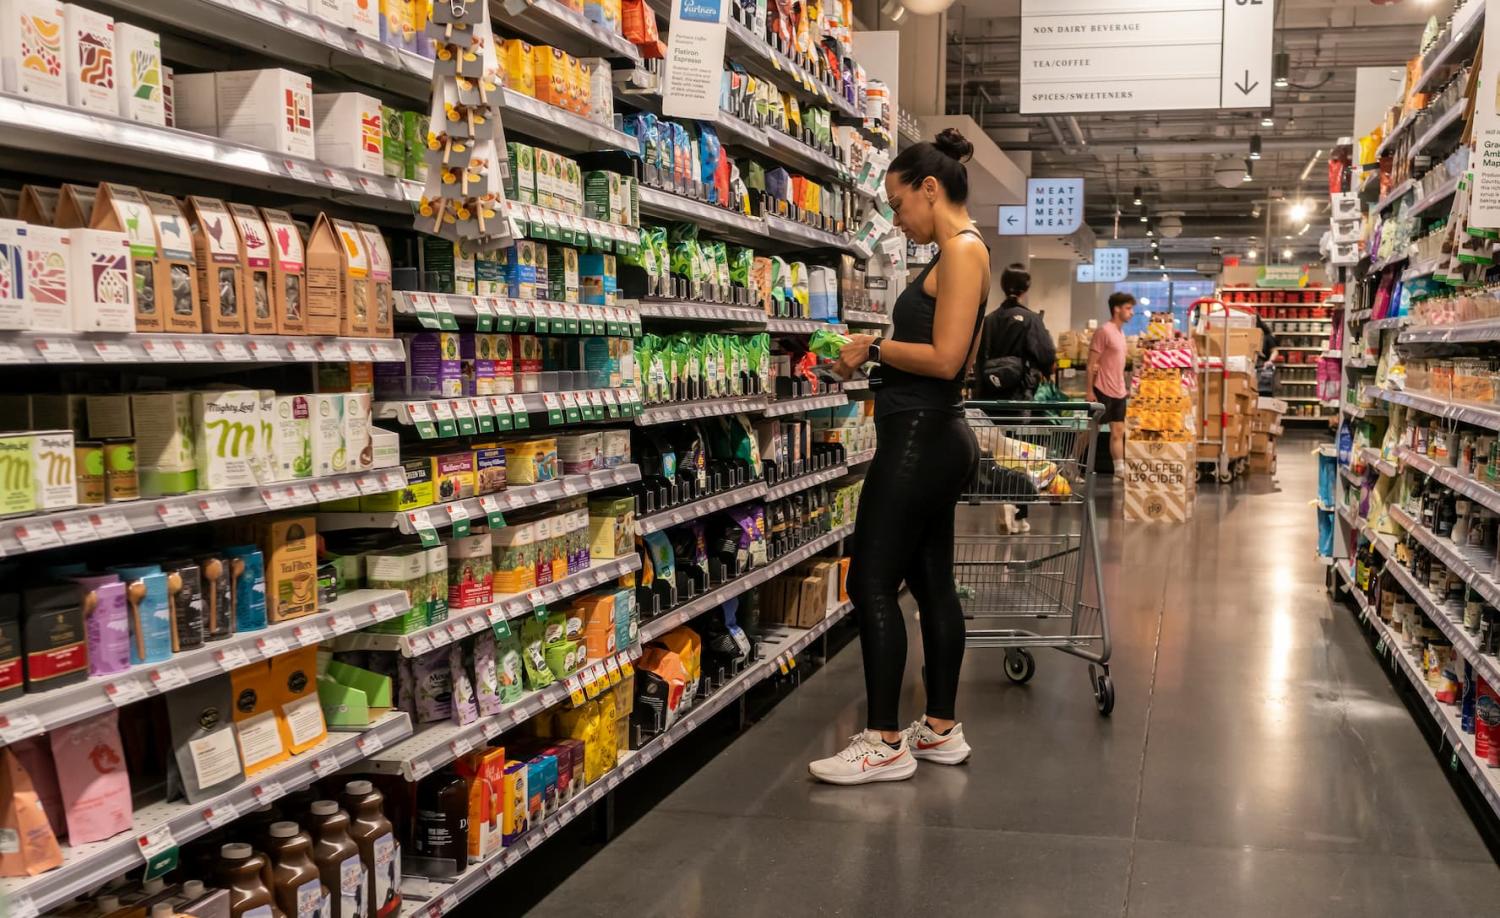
pixel 1171 155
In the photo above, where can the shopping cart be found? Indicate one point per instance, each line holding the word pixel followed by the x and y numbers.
pixel 1040 587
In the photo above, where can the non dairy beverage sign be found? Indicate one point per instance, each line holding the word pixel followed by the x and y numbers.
pixel 1054 206
pixel 695 59
pixel 1144 55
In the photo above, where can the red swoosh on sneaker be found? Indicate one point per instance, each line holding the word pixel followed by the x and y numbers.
pixel 925 746
pixel 864 764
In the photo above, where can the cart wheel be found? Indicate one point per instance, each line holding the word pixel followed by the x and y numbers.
pixel 1224 477
pixel 1104 693
pixel 1200 474
pixel 1020 666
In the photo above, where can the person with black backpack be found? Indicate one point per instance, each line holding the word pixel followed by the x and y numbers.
pixel 1015 349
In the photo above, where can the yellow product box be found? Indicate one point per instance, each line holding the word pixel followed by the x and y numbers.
pixel 517 57
pixel 515 558
pixel 551 75
pixel 531 461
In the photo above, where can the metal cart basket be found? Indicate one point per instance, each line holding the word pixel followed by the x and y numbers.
pixel 1042 586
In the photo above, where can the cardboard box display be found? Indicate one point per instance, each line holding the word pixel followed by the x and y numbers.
pixel 337 12
pixel 291 456
pixel 100 284
pixel 270 109
pixel 15 310
pixel 89 46
pixel 166 454
pixel 75 206
pixel 194 102
pixel 1263 463
pixel 364 18
pixel 1262 443
pixel 348 131
pixel 138 76
pixel 326 415
pixel 288 264
pixel 356 312
pixel 31 50
pixel 47 275
pixel 384 325
pixel 227 424
pixel 1241 342
pixel 289 546
pixel 221 274
pixel 255 251
pixel 168 278
pixel 324 265
pixel 38 204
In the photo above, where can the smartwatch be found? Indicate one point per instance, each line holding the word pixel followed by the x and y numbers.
pixel 875 349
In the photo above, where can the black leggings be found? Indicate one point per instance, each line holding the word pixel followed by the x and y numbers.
pixel 904 531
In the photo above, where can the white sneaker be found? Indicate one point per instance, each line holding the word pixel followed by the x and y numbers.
pixel 866 759
pixel 944 748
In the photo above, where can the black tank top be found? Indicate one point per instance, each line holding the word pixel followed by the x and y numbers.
pixel 911 321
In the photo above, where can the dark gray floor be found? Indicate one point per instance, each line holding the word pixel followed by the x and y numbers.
pixel 1258 763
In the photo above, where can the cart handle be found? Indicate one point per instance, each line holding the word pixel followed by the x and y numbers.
pixel 1043 406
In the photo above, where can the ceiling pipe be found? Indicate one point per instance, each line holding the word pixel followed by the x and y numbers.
pixel 1184 148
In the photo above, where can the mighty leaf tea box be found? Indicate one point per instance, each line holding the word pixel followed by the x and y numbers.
pixel 227 425
pixel 384 324
pixel 164 442
pixel 356 316
pixel 15 311
pixel 271 109
pixel 324 287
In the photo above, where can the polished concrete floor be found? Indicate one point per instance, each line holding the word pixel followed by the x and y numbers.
pixel 1259 763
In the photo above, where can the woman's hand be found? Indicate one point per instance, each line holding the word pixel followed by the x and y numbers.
pixel 854 355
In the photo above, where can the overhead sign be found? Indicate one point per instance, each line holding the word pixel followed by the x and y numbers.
pixel 695 59
pixel 1111 265
pixel 1012 219
pixel 1085 274
pixel 1145 55
pixel 1054 206
pixel 1484 206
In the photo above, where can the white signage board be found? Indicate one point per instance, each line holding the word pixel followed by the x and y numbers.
pixel 1054 206
pixel 1145 55
pixel 1085 274
pixel 695 59
pixel 1012 219
pixel 1484 206
pixel 1111 265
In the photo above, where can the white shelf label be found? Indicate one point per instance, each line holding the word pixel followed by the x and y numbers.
pixel 271 645
pixel 220 814
pixel 265 352
pixel 443 411
pixel 58 350
pixel 358 350
pixel 308 634
pixel 231 658
pixel 275 499
pixel 325 765
pixel 37 536
pixel 232 351
pixel 268 791
pixel 338 179
pixel 460 746
pixel 124 692
pixel 175 515
pixel 420 769
pixel 19 726
pixel 343 623
pixel 113 352
pixel 301 351
pixel 297 171
pixel 419 644
pixel 370 743
pixel 155 841
pixel 193 350
pixel 110 525
pixel 215 508
pixel 160 350
pixel 166 678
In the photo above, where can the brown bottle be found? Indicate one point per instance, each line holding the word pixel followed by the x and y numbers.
pixel 247 876
pixel 338 860
pixel 378 847
pixel 294 877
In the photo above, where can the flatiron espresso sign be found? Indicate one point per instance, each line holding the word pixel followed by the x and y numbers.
pixel 695 59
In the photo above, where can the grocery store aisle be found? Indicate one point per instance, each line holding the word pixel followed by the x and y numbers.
pixel 1258 762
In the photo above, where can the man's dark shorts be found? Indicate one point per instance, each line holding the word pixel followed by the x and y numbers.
pixel 1114 408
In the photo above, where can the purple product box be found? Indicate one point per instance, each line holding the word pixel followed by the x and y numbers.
pixel 107 627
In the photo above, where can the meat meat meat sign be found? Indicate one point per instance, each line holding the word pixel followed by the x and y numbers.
pixel 1145 55
pixel 1054 207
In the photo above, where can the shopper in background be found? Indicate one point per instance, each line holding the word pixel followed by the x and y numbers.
pixel 925 455
pixel 1106 379
pixel 1015 351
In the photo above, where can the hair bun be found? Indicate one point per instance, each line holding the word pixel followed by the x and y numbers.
pixel 951 142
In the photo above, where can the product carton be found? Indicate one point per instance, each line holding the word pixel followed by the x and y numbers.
pixel 31 50
pixel 337 12
pixel 348 131
pixel 38 205
pixel 290 549
pixel 263 448
pixel 123 209
pixel 221 274
pixel 167 279
pixel 89 46
pixel 329 454
pixel 227 425
pixel 380 281
pixel 294 676
pixel 75 206
pixel 47 275
pixel 54 473
pixel 167 111
pixel 292 440
pixel 1160 481
pixel 15 310
pixel 271 109
pixel 417 492
pixel 255 252
pixel 355 293
pixel 392 142
pixel 324 260
pixel 193 102
pixel 358 444
pixel 100 283
pixel 138 82
pixel 256 722
pixel 17 474
pixel 166 452
pixel 288 264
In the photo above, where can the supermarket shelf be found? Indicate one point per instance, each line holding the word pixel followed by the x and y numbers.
pixel 709 217
pixel 432 307
pixel 781 326
pixel 1471 565
pixel 689 310
pixel 429 898
pixel 463 622
pixel 1458 333
pixel 1451 477
pixel 859 458
pixel 665 519
pixel 439 516
pixel 1401 128
pixel 860 317
pixel 553 23
pixel 1438 195
pixel 589 404
pixel 537 215
pixel 523 114
pixel 1487 780
pixel 860 384
pixel 1444 121
pixel 1349 515
pixel 780 229
pixel 1381 264
pixel 86 868
pixel 1449 617
pixel 40 712
pixel 1358 411
pixel 683 614
pixel 18 348
pixel 757 56
pixel 803 157
pixel 1372 455
pixel 1395 194
pixel 1423 268
pixel 1348 475
pixel 809 403
pixel 702 408
pixel 1455 49
pixel 1316 321
pixel 1387 322
pixel 90 524
pixel 803 482
pixel 1453 411
pixel 27 125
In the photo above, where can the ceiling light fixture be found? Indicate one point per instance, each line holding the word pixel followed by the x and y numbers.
pixel 1149 233
pixel 1143 217
pixel 1267 120
pixel 1286 253
pixel 1255 146
pixel 1307 169
pixel 1165 276
pixel 1249 172
pixel 1298 210
pixel 1250 254
pixel 1304 229
pixel 927 7
pixel 1281 67
pixel 893 9
pixel 1217 238
pixel 1137 201
pixel 1255 212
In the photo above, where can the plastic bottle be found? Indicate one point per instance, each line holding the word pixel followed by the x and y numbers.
pixel 378 847
pixel 295 882
pixel 247 876
pixel 441 833
pixel 337 857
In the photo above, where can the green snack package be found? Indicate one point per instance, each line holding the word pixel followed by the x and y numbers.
pixel 827 343
pixel 720 263
pixel 393 142
pixel 509 668
pixel 685 259
pixel 759 352
pixel 740 261
pixel 533 652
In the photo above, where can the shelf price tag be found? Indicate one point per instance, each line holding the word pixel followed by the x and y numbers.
pixel 166 678
pixel 484 315
pixel 338 179
pixel 175 515
pixel 232 351
pixel 37 536
pixel 325 765
pixel 18 727
pixel 612 671
pixel 554 407
pixel 231 658
pixel 358 351
pixel 215 508
pixel 570 407
pixel 265 352
pixel 611 402
pixel 160 350
pixel 301 351
pixel 463 413
pixel 505 315
pixel 193 350
pixel 113 352
pixel 421 418
pixel 491 507
pixel 575 690
pixel 425 307
pixel 58 350
pixel 220 814
pixel 422 525
pixel 308 634
pixel 447 425
pixel 267 792
pixel 124 692
pixel 370 743
pixel 520 418
pixel 159 849
pixel 272 645
pixel 458 515
pixel 447 321
pixel 484 415
pixel 499 407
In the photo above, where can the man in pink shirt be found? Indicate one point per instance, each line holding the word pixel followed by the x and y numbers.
pixel 1107 373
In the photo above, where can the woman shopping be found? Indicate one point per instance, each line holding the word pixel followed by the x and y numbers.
pixel 924 457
